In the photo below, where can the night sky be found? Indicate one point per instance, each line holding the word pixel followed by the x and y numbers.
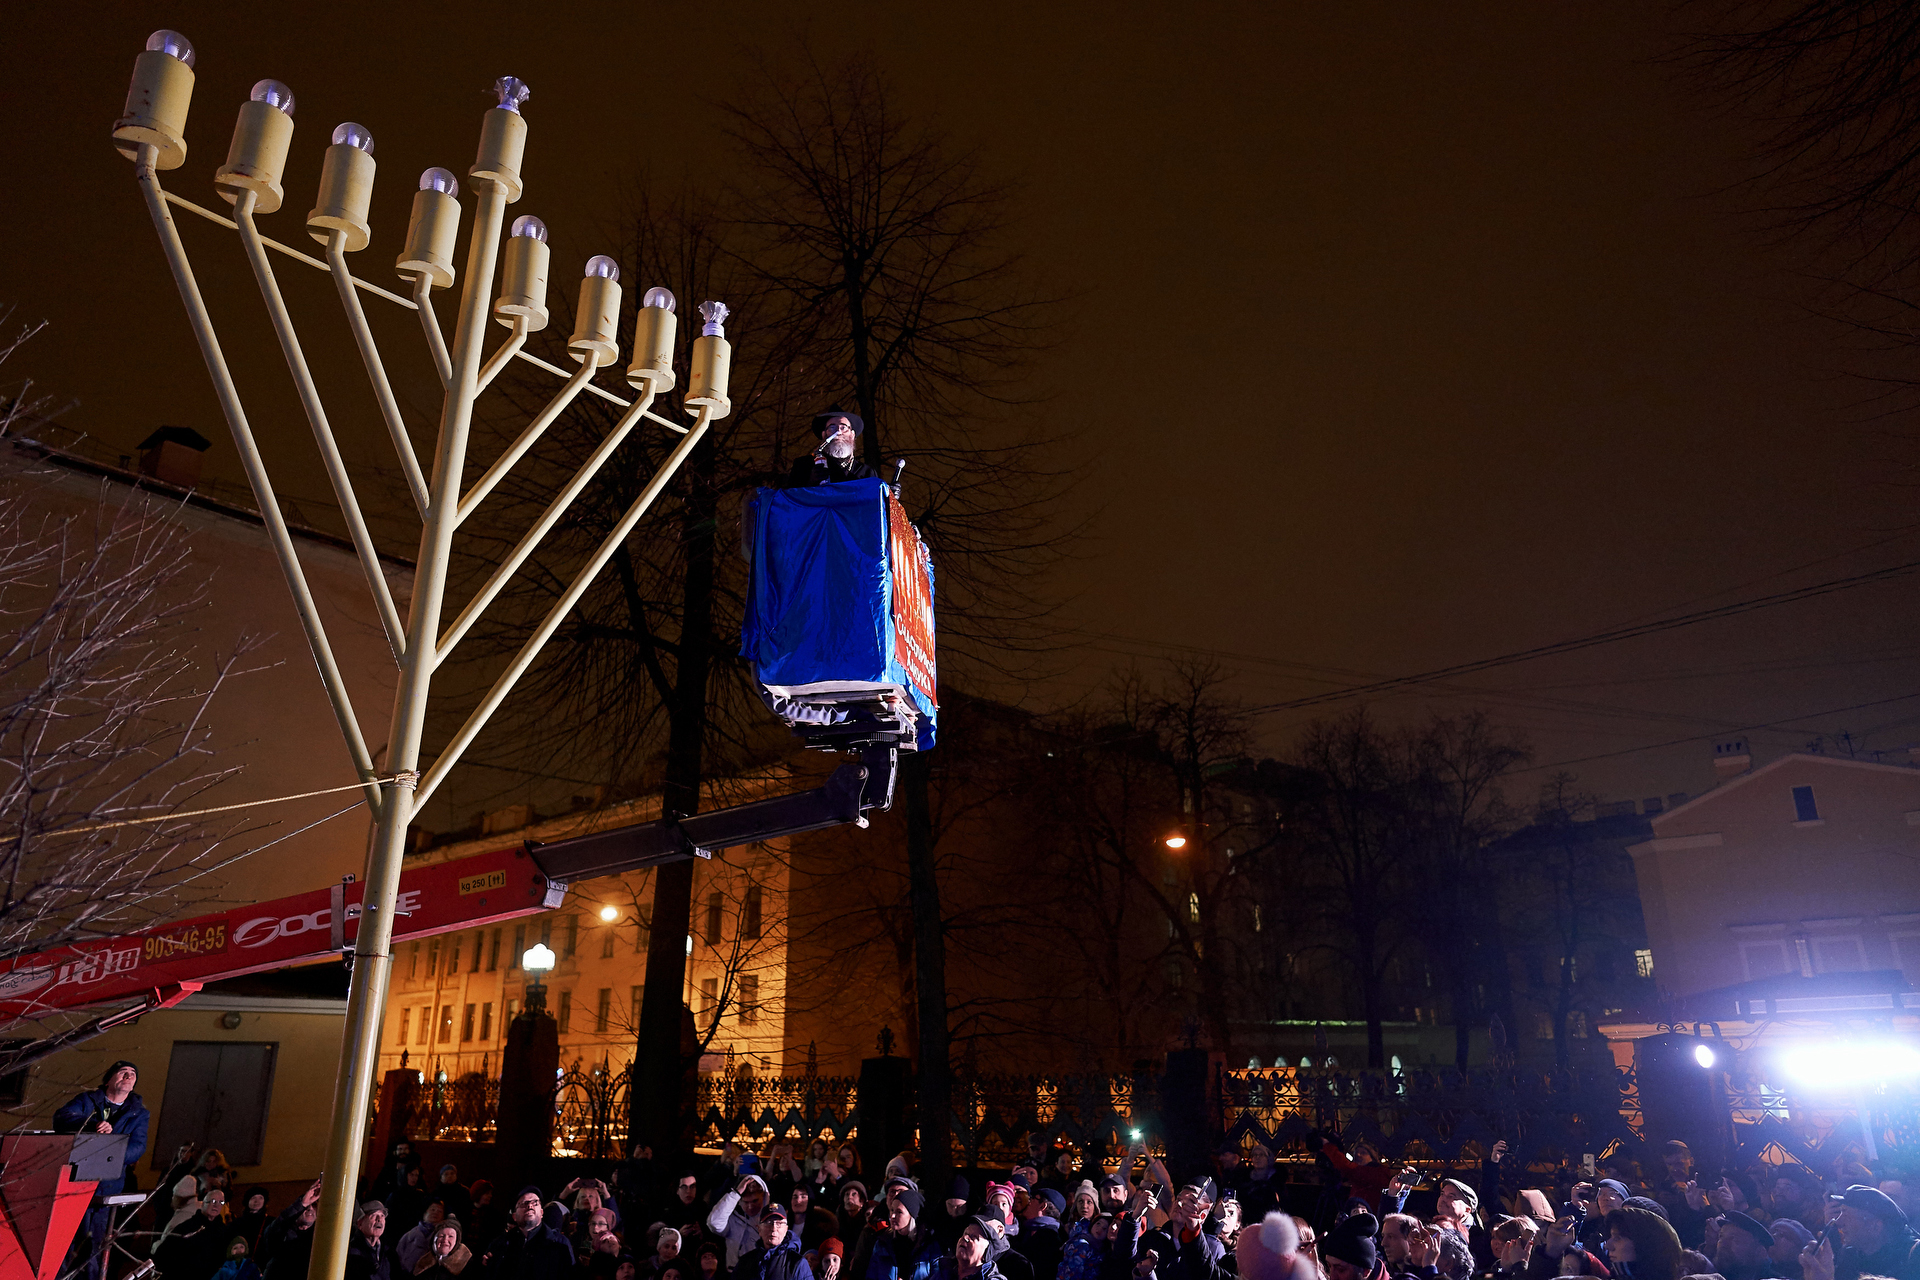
pixel 1406 334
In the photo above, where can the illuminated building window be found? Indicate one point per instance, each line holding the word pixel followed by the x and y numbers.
pixel 1643 962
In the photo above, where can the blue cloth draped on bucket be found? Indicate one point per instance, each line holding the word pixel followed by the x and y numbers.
pixel 819 618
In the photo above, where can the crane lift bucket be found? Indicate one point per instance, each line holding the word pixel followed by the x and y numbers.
pixel 839 623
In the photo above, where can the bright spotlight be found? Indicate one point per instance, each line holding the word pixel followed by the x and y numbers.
pixel 1853 1063
pixel 1176 842
pixel 609 914
pixel 1704 1056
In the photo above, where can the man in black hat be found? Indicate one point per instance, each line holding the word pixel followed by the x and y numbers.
pixel 836 457
pixel 1879 1241
pixel 112 1108
pixel 1741 1253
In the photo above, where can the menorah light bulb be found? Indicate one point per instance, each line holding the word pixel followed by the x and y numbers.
pixel 354 135
pixel 715 314
pixel 171 43
pixel 653 332
pixel 596 320
pixel 510 90
pixel 274 94
pixel 431 232
pixel 257 156
pixel 346 188
pixel 157 101
pixel 523 272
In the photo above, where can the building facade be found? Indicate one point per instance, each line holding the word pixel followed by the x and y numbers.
pixel 236 1066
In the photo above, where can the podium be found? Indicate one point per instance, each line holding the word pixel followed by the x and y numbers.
pixel 47 1181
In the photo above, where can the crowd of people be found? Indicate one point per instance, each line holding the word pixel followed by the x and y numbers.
pixel 787 1213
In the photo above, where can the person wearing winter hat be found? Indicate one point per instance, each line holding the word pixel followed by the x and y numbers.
pixel 837 456
pixel 1348 1250
pixel 948 1226
pixel 1790 1236
pixel 1083 1206
pixel 907 1250
pixel 1879 1240
pixel 827 1259
pixel 981 1244
pixel 445 1257
pixel 1641 1245
pixel 1741 1252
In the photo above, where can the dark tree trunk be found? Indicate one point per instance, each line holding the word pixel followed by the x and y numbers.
pixel 655 1102
pixel 933 1094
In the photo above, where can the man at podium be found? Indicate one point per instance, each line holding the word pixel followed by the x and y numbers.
pixel 112 1108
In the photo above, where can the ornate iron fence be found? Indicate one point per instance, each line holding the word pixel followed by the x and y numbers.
pixel 993 1115
pixel 1443 1114
pixel 755 1109
pixel 590 1112
pixel 456 1110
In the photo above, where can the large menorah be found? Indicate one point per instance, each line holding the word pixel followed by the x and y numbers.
pixel 152 135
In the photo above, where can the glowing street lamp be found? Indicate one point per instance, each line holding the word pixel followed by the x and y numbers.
pixel 538 961
pixel 609 914
pixel 152 133
pixel 1176 842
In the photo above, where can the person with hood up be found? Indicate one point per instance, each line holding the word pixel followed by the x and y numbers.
pixel 709 1262
pixel 779 1256
pixel 905 1250
pixel 445 1257
pixel 238 1266
pixel 418 1239
pixel 1642 1245
pixel 735 1218
pixel 529 1249
pixel 982 1243
pixel 1041 1240
pixel 837 457
pixel 1085 1254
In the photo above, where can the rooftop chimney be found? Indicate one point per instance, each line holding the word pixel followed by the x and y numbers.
pixel 173 455
pixel 1731 759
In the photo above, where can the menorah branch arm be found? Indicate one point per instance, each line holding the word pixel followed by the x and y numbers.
pixel 526 440
pixel 277 247
pixel 436 341
pixel 541 527
pixel 322 431
pixel 377 374
pixel 457 745
pixel 256 472
pixel 508 350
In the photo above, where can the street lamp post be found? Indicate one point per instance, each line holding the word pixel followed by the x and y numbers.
pixel 538 962
pixel 152 134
